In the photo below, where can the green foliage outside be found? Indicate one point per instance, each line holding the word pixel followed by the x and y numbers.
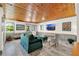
pixel 9 28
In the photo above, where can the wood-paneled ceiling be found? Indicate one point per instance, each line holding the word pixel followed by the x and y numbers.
pixel 48 11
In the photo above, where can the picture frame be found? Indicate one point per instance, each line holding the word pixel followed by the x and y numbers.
pixel 66 26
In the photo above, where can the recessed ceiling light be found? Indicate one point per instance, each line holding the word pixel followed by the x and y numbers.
pixel 43 18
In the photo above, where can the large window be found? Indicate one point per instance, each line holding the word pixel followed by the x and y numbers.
pixel 27 28
pixel 10 27
pixel 20 27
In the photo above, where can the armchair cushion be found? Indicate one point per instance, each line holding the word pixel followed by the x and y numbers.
pixel 35 40
pixel 31 38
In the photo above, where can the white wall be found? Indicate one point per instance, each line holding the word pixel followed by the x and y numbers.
pixel 58 23
pixel 1 33
pixel 77 12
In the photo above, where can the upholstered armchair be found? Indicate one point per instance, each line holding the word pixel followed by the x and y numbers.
pixel 30 43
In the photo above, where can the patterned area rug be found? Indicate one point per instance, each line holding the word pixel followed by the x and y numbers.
pixel 47 50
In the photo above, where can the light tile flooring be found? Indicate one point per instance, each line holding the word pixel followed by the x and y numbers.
pixel 13 48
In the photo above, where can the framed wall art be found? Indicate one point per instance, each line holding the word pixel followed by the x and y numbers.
pixel 66 26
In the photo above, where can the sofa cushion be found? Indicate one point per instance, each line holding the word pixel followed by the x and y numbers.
pixel 31 37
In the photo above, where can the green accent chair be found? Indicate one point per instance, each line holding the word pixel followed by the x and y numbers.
pixel 30 43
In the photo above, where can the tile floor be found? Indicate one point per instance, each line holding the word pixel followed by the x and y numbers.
pixel 13 48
